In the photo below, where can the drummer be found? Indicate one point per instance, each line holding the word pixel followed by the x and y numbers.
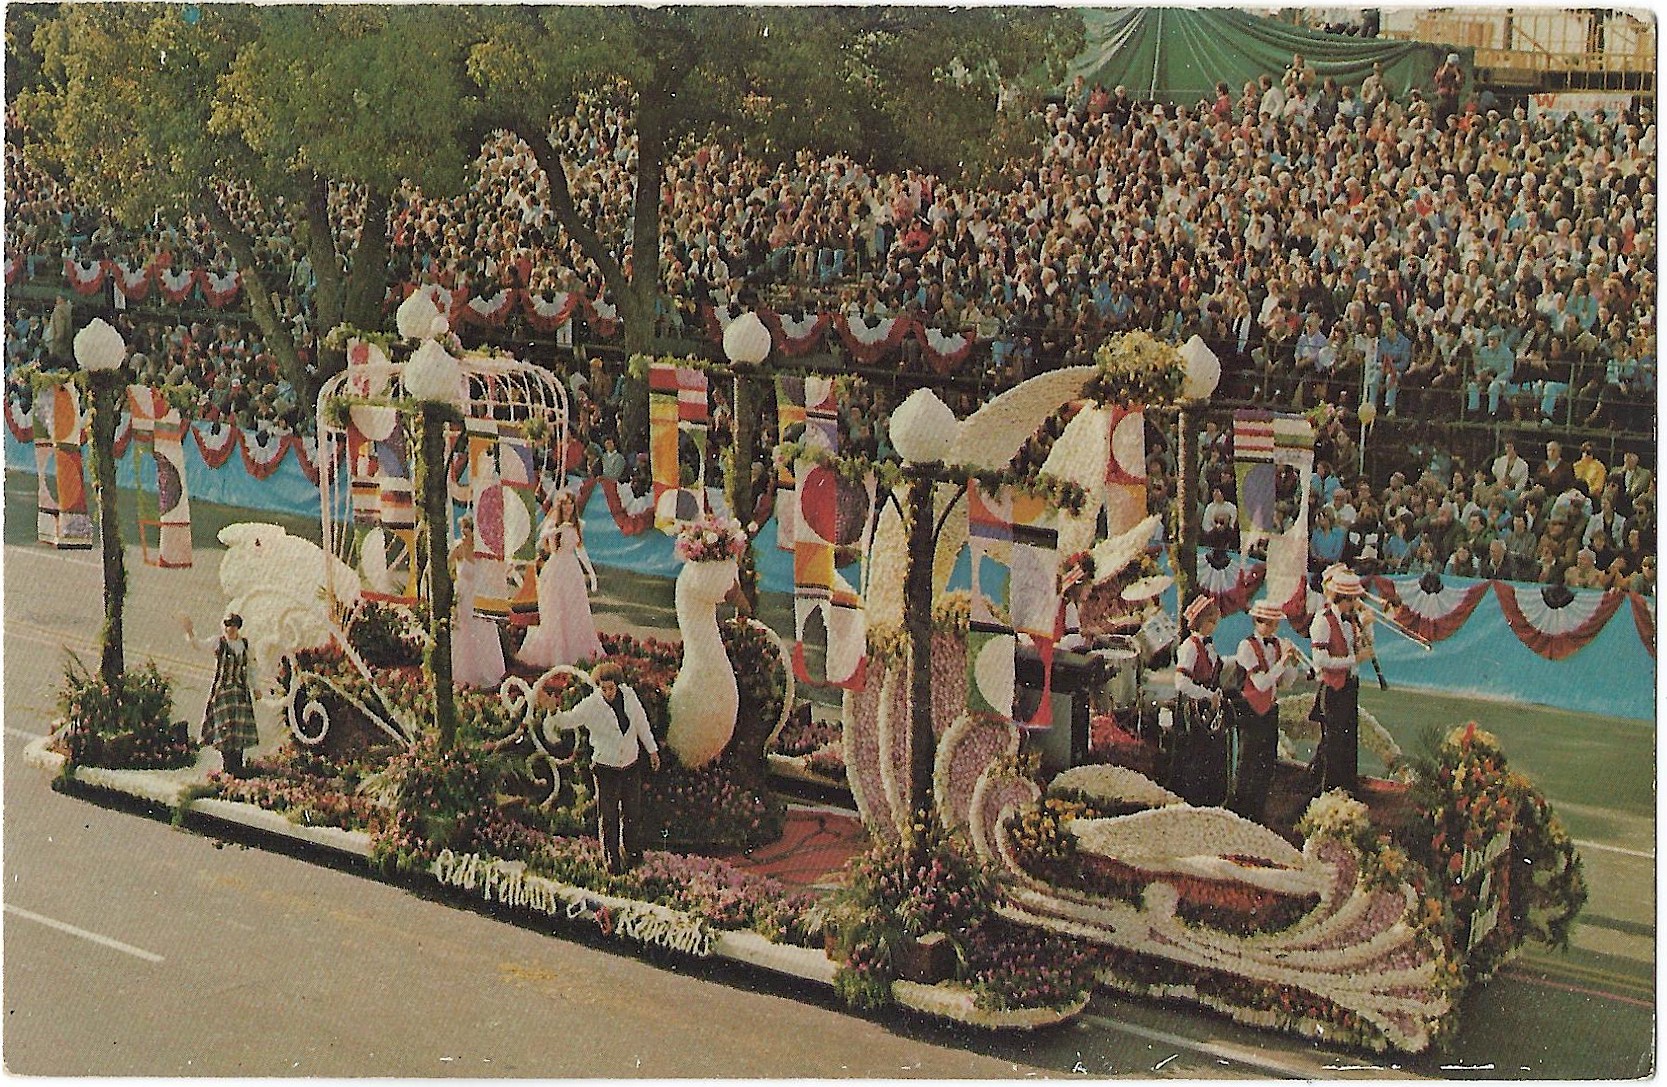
pixel 1199 769
pixel 1267 661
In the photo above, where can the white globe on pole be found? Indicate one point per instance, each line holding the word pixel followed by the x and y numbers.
pixel 747 340
pixel 99 348
pixel 416 316
pixel 923 428
pixel 1203 372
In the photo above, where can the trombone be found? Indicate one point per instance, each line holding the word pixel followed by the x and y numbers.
pixel 1378 606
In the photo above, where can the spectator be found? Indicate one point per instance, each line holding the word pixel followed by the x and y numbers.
pixel 1497 563
pixel 1555 476
pixel 1449 84
pixel 1584 574
pixel 1510 470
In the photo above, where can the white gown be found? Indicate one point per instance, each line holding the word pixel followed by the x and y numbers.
pixel 565 633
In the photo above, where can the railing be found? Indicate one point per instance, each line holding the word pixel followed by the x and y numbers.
pixel 1556 41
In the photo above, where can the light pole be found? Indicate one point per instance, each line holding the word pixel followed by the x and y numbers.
pixel 747 346
pixel 435 379
pixel 1202 375
pixel 100 352
pixel 923 433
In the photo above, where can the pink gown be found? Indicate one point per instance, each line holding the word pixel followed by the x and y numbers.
pixel 565 633
pixel 477 656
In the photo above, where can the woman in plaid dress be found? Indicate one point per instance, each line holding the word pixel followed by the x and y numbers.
pixel 229 718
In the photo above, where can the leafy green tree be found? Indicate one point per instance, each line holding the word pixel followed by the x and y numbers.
pixel 890 86
pixel 153 109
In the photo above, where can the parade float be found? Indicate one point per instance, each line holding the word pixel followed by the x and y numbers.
pixel 1014 860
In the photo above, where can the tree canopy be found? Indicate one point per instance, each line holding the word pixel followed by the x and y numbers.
pixel 151 108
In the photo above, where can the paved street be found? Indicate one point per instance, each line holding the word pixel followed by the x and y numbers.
pixel 132 948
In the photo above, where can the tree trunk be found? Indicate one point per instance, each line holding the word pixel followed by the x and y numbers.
pixel 917 621
pixel 104 388
pixel 327 270
pixel 436 536
pixel 637 307
pixel 259 293
pixel 367 282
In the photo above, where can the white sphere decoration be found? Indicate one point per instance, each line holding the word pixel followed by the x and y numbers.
pixel 1203 370
pixel 923 428
pixel 1368 413
pixel 416 316
pixel 747 340
pixel 432 374
pixel 99 348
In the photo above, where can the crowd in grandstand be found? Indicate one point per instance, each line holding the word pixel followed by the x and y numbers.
pixel 1334 244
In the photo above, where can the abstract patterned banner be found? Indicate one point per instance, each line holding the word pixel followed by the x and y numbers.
pixel 823 602
pixel 677 402
pixel 1021 532
pixel 807 410
pixel 159 432
pixel 1126 470
pixel 790 427
pixel 1255 472
pixel 486 505
pixel 1293 463
pixel 62 519
pixel 518 473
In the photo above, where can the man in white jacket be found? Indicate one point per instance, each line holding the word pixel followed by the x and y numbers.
pixel 613 717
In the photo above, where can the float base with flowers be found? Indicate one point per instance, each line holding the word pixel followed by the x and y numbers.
pixel 1365 934
pixel 992 894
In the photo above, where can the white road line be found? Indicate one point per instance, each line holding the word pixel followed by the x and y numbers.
pixel 126 949
pixel 1649 856
pixel 1218 1050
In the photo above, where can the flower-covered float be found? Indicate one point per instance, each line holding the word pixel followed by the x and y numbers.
pixel 1354 932
pixel 990 892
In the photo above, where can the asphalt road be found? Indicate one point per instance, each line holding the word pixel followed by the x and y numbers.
pixel 133 948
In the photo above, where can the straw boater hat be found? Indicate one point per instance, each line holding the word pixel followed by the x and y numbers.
pixel 1266 609
pixel 1341 580
pixel 1201 608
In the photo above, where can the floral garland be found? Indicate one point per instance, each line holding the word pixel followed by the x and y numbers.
pixel 338 338
pixel 854 468
pixel 1136 368
pixel 710 539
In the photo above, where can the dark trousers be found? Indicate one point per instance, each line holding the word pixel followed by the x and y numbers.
pixel 1258 749
pixel 1199 774
pixel 618 813
pixel 1339 753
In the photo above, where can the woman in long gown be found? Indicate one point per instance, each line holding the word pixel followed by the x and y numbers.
pixel 565 633
pixel 477 655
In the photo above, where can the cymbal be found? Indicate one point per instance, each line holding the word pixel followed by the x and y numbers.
pixel 1147 588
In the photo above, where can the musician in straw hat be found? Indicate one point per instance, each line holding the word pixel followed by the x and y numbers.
pixel 1342 637
pixel 1199 772
pixel 1267 661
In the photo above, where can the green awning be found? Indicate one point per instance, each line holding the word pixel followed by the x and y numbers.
pixel 1178 54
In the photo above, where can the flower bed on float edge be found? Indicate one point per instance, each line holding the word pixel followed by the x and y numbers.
pixel 1488 864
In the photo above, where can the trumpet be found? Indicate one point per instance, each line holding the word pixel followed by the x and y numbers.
pixel 1378 606
pixel 1307 661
